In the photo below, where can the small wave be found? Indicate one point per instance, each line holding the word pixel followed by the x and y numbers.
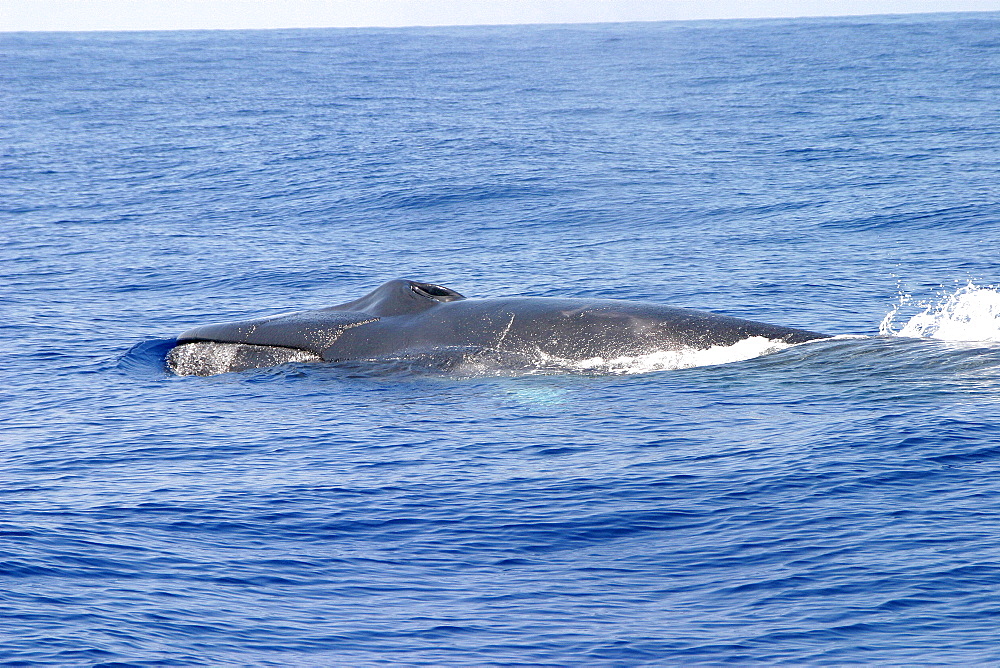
pixel 685 358
pixel 661 360
pixel 969 217
pixel 146 357
pixel 971 313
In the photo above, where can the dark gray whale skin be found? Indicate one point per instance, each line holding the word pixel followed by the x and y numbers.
pixel 405 317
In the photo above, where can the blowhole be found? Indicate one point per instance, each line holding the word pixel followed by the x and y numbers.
pixel 436 292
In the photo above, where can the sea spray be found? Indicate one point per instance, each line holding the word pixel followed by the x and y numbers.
pixel 971 313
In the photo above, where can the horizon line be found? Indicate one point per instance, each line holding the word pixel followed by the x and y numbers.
pixel 387 26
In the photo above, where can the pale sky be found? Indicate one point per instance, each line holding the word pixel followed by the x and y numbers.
pixel 232 14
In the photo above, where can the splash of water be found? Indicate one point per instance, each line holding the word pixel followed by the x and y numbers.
pixel 971 313
pixel 666 360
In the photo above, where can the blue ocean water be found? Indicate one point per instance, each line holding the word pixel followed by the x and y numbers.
pixel 835 502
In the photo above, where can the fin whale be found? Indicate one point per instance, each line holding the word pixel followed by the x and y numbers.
pixel 405 317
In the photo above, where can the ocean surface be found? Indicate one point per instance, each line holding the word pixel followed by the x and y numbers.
pixel 835 502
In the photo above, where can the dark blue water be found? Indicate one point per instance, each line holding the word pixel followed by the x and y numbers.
pixel 834 502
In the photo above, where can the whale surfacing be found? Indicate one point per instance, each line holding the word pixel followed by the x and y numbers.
pixel 404 317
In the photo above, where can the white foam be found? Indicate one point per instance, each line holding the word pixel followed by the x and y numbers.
pixel 971 313
pixel 666 360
